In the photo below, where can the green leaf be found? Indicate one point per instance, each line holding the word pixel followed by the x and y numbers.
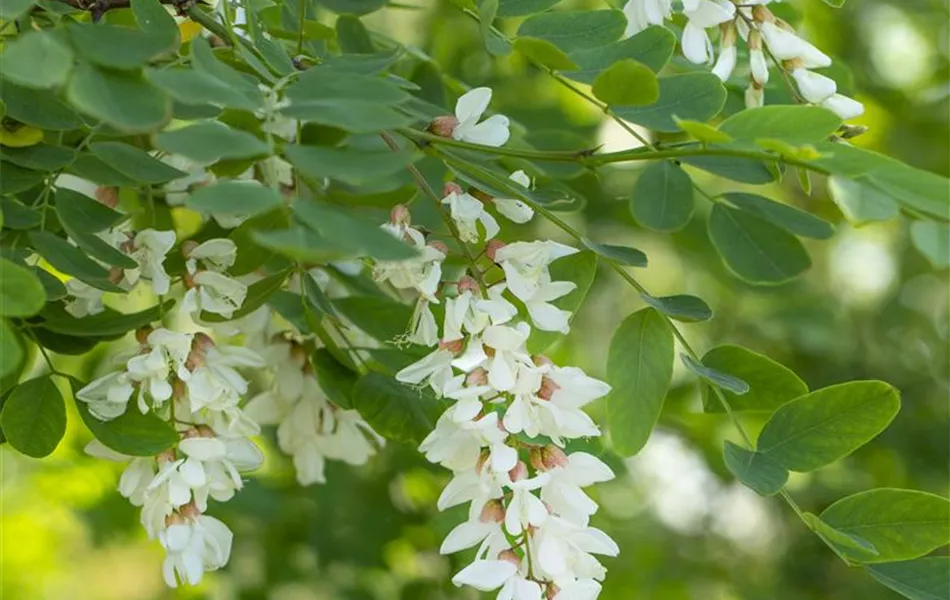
pixel 210 142
pixel 105 324
pixel 624 255
pixel 21 293
pixel 250 255
pixel 17 216
pixel 351 236
pixel 575 30
pixel 347 165
pixel 828 424
pixel 353 36
pixel 156 21
pixel 580 268
pixel 355 116
pixel 899 524
pixel 770 384
pixel 324 84
pixel 117 47
pixel 353 7
pixel 754 469
pixel 124 100
pixel 639 369
pixel 36 59
pixel 920 579
pixel 860 203
pixel 693 96
pixel 299 243
pixel 38 108
pixel 662 199
pixel 11 350
pixel 701 131
pixel 395 411
pixel 717 378
pixel 521 8
pixel 135 163
pixel 71 260
pixel 736 169
pixel 653 47
pixel 43 157
pixel 34 417
pixel 258 293
pixel 544 53
pixel 791 124
pixel 12 9
pixel 335 380
pixel 133 433
pixel 194 87
pixel 932 239
pixel 234 198
pixel 96 170
pixel 754 249
pixel 82 217
pixel 682 307
pixel 838 540
pixel 381 318
pixel 627 83
pixel 16 179
pixel 787 217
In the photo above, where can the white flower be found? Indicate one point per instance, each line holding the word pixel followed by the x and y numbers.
pixel 136 478
pixel 422 273
pixel 516 210
pixel 525 509
pixel 176 191
pixel 563 491
pixel 107 396
pixel 423 328
pixel 151 370
pixel 193 547
pixel 216 293
pixel 519 588
pixel 726 63
pixel 814 87
pixel 785 45
pixel 220 461
pixel 84 299
pixel 524 264
pixel 467 212
pixel 544 315
pixel 215 255
pixel 643 13
pixel 844 107
pixel 697 47
pixel 493 131
pixel 148 250
pixel 485 575
pixel 510 354
pixel 581 589
pixel 564 550
pixel 435 369
pixel 754 96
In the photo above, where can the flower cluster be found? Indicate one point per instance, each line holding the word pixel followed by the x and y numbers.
pixel 762 32
pixel 194 383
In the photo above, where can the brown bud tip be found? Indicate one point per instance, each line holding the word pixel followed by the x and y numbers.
pixel 519 472
pixel 477 377
pixel 187 247
pixel 492 247
pixel 454 346
pixel 202 341
pixel 142 333
pixel 116 274
pixel 537 459
pixel 443 126
pixel 189 280
pixel 165 456
pixel 108 195
pixel 189 433
pixel 399 215
pixel 174 519
pixel 553 457
pixel 190 511
pixel 482 461
pixel 467 284
pixel 762 14
pixel 451 188
pixel 440 246
pixel 298 354
pixel 492 512
pixel 551 592
pixel 179 389
pixel 510 556
pixel 541 360
pixel 483 196
pixel 548 387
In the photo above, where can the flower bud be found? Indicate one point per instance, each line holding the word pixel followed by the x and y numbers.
pixel 482 461
pixel 754 96
pixel 116 274
pixel 540 360
pixel 205 431
pixel 451 188
pixel 187 247
pixel 191 432
pixel 553 457
pixel 440 246
pixel 536 459
pixel 852 131
pixel 510 556
pixel 202 341
pixel 108 195
pixel 189 280
pixel 467 284
pixel 551 592
pixel 477 377
pixel 443 126
pixel 174 519
pixel 454 346
pixel 518 472
pixel 548 387
pixel 399 215
pixel 142 333
pixel 492 247
pixel 190 510
pixel 165 456
pixel 179 389
pixel 492 512
pixel 762 15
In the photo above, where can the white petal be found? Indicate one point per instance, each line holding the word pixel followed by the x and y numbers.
pixel 695 44
pixel 472 104
pixel 493 131
pixel 465 535
pixel 485 575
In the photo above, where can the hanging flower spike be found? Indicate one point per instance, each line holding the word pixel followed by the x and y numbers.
pixel 702 14
pixel 465 126
pixel 784 44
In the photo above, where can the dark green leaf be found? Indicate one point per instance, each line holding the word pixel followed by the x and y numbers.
pixel 117 47
pixel 754 469
pixel 828 424
pixel 353 36
pixel 71 260
pixel 920 579
pixel 395 411
pixel 770 384
pixel 575 30
pixel 210 142
pixel 335 380
pixel 325 85
pixel 38 108
pixel 43 157
pixel 355 116
pixel 382 318
pixel 14 179
pixel 156 21
pixel 627 83
pixel 754 249
pixel 11 350
pixel 836 539
pixel 544 53
pixel 717 378
pixel 236 198
pixel 135 163
pixel 17 216
pixel 579 268
pixel 353 7
pixel 662 199
pixel 96 170
pixel 133 433
pixel 351 236
pixel 12 9
pixel 624 255
pixel 787 217
pixel 191 86
pixel 36 59
pixel 82 217
pixel 347 165
pixel 21 293
pixel 124 100
pixel 108 323
pixel 520 8
pixel 694 96
pixel 639 369
pixel 682 307
pixel 736 169
pixel 932 239
pixel 791 124
pixel 250 255
pixel 34 417
pixel 653 47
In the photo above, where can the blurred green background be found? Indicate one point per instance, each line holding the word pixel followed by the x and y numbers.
pixel 871 307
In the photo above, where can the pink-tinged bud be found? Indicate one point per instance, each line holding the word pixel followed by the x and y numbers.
pixel 454 346
pixel 553 457
pixel 190 511
pixel 443 126
pixel 551 592
pixel 537 460
pixel 205 431
pixel 189 280
pixel 187 247
pixel 440 246
pixel 762 14
pixel 492 512
pixel 483 196
pixel 477 377
pixel 142 333
pixel 540 360
pixel 510 556
pixel 492 247
pixel 482 461
pixel 190 433
pixel 108 195
pixel 174 519
pixel 399 215
pixel 519 472
pixel 203 342
pixel 298 354
pixel 115 275
pixel 451 188
pixel 467 284
pixel 166 456
pixel 548 387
